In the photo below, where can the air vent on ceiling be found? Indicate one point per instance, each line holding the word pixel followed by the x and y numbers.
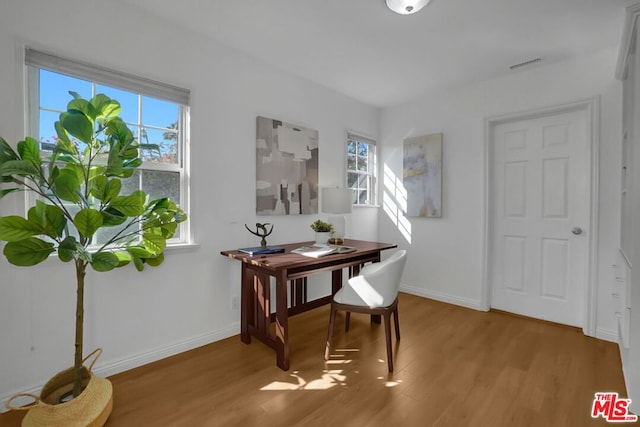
pixel 525 64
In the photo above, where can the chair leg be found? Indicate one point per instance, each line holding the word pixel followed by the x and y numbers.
pixel 332 318
pixel 387 333
pixel 395 314
pixel 347 320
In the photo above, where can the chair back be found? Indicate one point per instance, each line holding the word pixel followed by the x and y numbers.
pixel 384 277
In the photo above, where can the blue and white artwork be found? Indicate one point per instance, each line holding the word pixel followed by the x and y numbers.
pixel 422 175
pixel 286 168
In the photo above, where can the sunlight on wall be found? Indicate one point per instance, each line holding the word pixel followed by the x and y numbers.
pixel 394 202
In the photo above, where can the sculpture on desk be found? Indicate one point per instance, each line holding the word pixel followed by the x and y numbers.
pixel 261 231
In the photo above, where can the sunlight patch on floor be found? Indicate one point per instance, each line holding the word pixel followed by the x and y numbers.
pixel 330 378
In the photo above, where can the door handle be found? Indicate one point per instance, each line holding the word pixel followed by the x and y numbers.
pixel 576 230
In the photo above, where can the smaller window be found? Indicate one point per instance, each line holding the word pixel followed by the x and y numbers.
pixel 361 169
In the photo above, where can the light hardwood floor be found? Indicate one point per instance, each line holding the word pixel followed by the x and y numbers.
pixel 453 367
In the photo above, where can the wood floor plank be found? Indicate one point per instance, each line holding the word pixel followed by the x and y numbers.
pixel 453 367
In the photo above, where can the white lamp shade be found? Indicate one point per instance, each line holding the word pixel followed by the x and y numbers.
pixel 406 7
pixel 336 200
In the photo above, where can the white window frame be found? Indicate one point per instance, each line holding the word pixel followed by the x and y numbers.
pixel 36 60
pixel 372 171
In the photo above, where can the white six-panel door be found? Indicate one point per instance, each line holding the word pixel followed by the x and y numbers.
pixel 541 213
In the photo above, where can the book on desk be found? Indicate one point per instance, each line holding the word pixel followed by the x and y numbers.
pixel 261 251
pixel 316 251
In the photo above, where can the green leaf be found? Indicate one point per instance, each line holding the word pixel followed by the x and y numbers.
pixel 84 106
pixel 78 125
pixel 49 218
pixel 76 169
pixel 138 252
pixel 104 189
pixel 138 263
pixel 111 217
pixel 96 171
pixel 123 258
pixel 67 248
pixel 29 150
pixel 7 191
pixel 28 252
pixel 131 205
pixel 63 137
pixel 104 261
pixel 14 228
pixel 88 221
pixel 18 167
pixel 154 243
pixel 154 262
pixel 67 186
pixel 105 106
pixel 6 152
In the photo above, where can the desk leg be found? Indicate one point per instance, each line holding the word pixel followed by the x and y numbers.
pixel 247 305
pixel 282 322
pixel 336 281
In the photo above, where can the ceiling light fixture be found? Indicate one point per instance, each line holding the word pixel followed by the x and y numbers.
pixel 406 7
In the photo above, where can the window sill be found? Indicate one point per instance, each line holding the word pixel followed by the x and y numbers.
pixel 181 246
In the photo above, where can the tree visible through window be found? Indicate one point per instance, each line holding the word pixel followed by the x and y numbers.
pixel 361 167
pixel 155 119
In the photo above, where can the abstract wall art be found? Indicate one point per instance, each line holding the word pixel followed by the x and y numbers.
pixel 422 175
pixel 286 168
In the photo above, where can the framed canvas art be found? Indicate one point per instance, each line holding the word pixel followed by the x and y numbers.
pixel 422 175
pixel 286 168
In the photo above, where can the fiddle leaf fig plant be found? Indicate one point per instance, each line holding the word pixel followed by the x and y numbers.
pixel 79 194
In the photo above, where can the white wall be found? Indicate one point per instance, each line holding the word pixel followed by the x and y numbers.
pixel 139 317
pixel 446 258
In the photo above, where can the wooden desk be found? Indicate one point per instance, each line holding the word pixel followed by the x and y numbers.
pixel 292 269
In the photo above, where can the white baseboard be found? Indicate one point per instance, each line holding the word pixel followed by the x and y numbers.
pixel 140 359
pixel 607 334
pixel 440 296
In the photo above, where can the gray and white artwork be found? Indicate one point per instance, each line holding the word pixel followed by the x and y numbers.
pixel 422 175
pixel 286 168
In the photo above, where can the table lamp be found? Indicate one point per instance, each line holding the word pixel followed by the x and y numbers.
pixel 337 201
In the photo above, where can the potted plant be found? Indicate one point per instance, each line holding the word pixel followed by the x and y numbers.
pixel 78 189
pixel 323 231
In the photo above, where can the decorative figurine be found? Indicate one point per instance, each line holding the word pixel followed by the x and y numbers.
pixel 262 233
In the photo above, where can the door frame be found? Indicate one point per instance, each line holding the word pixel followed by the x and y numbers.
pixel 591 106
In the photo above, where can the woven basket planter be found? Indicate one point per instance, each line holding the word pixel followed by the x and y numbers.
pixel 90 409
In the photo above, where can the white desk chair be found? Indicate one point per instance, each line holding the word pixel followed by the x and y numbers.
pixel 374 291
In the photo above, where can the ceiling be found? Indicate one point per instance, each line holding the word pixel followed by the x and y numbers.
pixel 363 50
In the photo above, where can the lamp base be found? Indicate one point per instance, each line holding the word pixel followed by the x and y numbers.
pixel 335 241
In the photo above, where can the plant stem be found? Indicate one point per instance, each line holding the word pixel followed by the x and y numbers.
pixel 81 267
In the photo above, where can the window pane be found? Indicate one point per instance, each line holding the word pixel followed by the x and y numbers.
pixel 131 184
pixel 158 184
pixel 159 113
pixel 54 89
pixel 351 147
pixel 352 180
pixel 362 149
pixel 363 163
pixel 362 197
pixel 351 162
pixel 128 101
pixel 47 131
pixel 166 140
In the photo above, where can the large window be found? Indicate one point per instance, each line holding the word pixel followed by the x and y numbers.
pixel 156 113
pixel 361 169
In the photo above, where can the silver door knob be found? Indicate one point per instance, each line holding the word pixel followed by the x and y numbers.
pixel 576 230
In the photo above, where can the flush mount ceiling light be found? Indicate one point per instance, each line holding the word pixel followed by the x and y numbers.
pixel 406 7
